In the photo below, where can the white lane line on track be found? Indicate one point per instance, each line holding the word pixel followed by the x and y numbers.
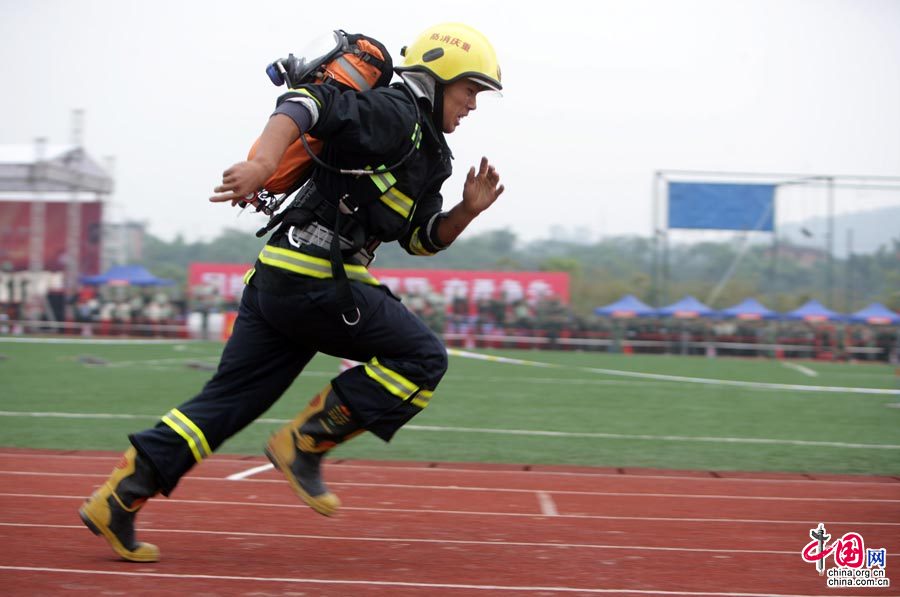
pixel 524 432
pixel 418 540
pixel 398 584
pixel 804 370
pixel 387 466
pixel 475 513
pixel 388 583
pixel 548 506
pixel 243 476
pixel 250 472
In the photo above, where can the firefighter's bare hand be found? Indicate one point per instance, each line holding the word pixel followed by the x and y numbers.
pixel 239 181
pixel 481 188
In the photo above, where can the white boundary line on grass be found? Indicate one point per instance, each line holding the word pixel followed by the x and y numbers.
pixel 18 340
pixel 525 432
pixel 678 378
pixel 511 361
pixel 399 584
pixel 661 438
pixel 804 370
pixel 748 384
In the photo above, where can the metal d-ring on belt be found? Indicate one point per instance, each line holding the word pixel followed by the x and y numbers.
pixel 318 235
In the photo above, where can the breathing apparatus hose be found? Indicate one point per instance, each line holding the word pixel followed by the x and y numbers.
pixel 358 172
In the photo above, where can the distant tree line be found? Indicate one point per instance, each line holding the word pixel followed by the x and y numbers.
pixel 781 275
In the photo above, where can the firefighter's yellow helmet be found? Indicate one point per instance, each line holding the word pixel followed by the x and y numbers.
pixel 453 51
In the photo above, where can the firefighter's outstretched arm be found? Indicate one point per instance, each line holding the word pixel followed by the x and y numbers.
pixel 247 177
pixel 481 189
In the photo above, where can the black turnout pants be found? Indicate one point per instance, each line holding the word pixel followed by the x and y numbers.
pixel 274 337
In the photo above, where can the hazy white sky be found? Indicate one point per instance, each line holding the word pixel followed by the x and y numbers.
pixel 598 95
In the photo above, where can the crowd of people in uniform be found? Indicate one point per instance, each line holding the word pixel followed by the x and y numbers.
pixel 550 323
pixel 544 323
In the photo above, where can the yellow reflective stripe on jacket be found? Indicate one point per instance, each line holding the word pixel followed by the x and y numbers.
pixel 396 384
pixel 307 265
pixel 383 181
pixel 186 428
pixel 249 275
pixel 416 246
pixel 416 135
pixel 397 201
pixel 302 91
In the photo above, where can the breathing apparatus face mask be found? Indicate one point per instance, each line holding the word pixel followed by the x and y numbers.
pixel 296 70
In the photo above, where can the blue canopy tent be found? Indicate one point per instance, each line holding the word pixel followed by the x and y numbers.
pixel 126 275
pixel 876 314
pixel 814 311
pixel 626 307
pixel 687 308
pixel 749 309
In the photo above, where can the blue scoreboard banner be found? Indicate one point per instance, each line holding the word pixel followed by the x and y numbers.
pixel 719 206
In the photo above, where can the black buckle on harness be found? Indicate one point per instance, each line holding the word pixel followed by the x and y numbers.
pixel 309 206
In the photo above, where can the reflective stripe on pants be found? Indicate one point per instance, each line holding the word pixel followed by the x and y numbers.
pixel 274 337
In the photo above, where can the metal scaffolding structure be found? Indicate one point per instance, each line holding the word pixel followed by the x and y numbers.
pixel 828 182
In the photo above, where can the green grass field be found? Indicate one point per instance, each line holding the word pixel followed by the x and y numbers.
pixel 90 396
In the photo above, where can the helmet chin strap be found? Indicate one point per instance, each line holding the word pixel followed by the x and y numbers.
pixel 437 114
pixel 426 86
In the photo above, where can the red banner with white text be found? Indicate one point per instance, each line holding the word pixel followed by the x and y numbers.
pixel 227 281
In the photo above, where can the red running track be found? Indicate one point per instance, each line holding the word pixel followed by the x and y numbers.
pixel 454 529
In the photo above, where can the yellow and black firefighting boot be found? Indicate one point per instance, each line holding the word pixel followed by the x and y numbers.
pixel 297 448
pixel 110 511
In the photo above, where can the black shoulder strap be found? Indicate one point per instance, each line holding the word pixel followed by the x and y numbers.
pixel 386 66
